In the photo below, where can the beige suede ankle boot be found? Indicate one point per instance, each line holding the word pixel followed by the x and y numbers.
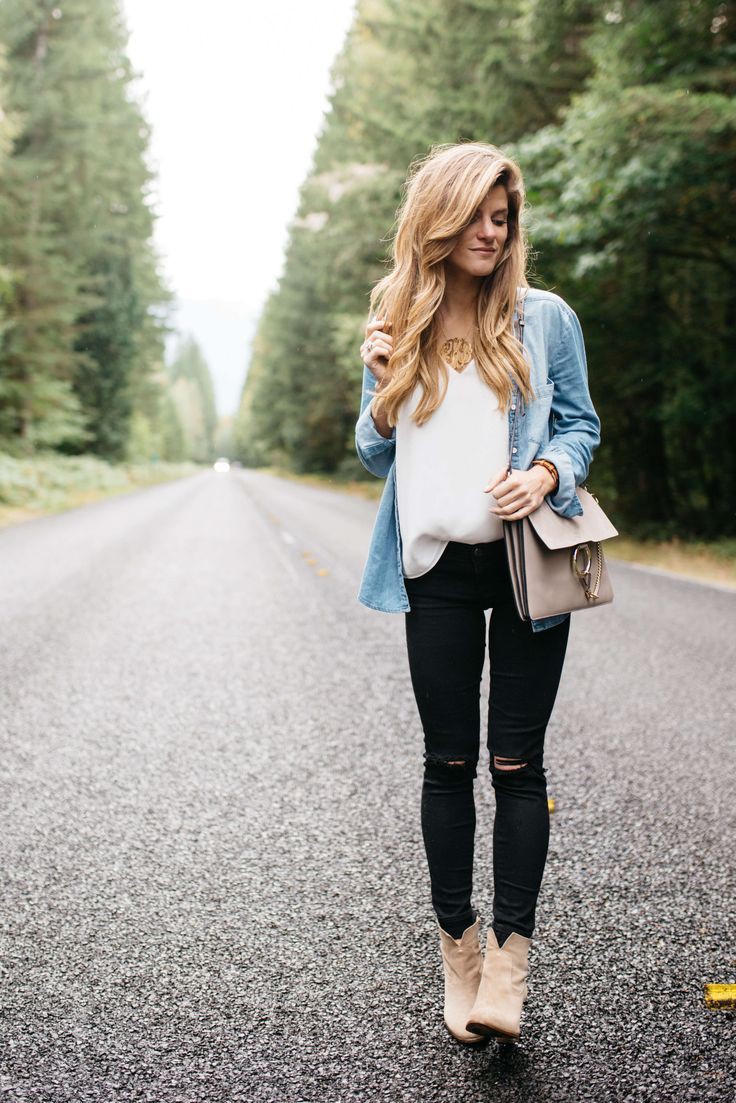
pixel 463 964
pixel 502 990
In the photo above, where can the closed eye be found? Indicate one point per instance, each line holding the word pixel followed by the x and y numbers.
pixel 496 221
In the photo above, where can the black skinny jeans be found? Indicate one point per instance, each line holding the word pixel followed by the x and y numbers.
pixel 445 633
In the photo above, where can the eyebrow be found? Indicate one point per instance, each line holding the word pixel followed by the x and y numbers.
pixel 499 210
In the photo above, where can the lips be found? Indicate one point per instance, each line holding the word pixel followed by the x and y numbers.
pixel 486 252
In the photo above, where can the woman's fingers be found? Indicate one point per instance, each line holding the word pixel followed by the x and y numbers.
pixel 518 515
pixel 378 354
pixel 375 332
pixel 382 339
pixel 378 346
pixel 495 480
pixel 519 498
pixel 514 511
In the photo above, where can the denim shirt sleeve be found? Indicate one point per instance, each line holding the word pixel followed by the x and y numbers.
pixel 375 451
pixel 576 425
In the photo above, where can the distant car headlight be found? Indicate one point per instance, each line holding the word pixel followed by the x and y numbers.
pixel 222 464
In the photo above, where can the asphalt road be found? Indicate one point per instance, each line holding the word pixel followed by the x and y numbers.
pixel 213 880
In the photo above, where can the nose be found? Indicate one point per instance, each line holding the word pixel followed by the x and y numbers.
pixel 488 229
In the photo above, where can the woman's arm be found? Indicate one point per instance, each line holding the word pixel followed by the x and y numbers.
pixel 576 425
pixel 375 451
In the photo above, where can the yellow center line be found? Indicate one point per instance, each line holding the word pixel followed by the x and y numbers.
pixel 720 997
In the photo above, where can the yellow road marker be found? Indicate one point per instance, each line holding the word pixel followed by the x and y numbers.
pixel 306 554
pixel 310 561
pixel 551 804
pixel 323 571
pixel 720 997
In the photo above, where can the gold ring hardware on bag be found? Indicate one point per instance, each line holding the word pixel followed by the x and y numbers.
pixel 583 572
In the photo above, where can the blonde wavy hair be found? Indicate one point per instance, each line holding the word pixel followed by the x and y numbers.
pixel 441 195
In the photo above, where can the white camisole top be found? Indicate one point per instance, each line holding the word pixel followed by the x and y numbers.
pixel 443 466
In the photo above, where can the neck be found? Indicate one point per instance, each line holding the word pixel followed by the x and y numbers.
pixel 461 295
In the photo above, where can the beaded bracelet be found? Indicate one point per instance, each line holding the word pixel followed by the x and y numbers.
pixel 552 470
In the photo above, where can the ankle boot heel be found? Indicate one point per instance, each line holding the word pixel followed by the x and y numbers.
pixel 496 1012
pixel 463 964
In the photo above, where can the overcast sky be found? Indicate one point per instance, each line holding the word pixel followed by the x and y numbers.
pixel 236 93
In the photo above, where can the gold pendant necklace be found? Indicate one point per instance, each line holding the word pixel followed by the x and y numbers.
pixel 457 351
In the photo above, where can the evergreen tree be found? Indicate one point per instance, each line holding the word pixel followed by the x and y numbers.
pixel 193 396
pixel 633 218
pixel 82 333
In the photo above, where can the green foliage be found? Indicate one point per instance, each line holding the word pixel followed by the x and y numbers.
pixel 193 401
pixel 81 331
pixel 621 115
pixel 173 442
pixel 47 482
pixel 631 197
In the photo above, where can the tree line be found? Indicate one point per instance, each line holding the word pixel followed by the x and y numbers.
pixel 621 115
pixel 83 306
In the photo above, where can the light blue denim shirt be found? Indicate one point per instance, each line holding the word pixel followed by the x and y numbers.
pixel 560 425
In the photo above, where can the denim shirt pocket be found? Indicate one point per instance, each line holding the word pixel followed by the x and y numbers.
pixel 538 413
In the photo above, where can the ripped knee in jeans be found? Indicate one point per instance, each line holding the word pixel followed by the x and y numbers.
pixel 501 762
pixel 527 773
pixel 450 766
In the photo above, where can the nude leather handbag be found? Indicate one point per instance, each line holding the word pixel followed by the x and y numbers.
pixel 556 563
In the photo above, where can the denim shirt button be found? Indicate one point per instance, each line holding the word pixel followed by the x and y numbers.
pixel 514 449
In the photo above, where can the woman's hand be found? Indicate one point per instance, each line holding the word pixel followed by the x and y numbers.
pixel 376 358
pixel 521 493
pixel 381 346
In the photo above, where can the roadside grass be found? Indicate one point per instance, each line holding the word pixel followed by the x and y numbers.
pixel 46 484
pixel 708 561
pixel 371 489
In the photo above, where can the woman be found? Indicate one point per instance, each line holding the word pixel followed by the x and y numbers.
pixel 446 385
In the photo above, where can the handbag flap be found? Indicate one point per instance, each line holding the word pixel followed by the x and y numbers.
pixel 556 531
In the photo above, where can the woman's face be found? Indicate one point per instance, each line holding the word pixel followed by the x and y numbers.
pixel 481 243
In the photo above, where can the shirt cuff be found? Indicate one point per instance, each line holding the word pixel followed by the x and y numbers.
pixel 564 500
pixel 366 434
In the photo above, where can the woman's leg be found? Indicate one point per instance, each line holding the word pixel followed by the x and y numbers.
pixel 526 668
pixel 445 633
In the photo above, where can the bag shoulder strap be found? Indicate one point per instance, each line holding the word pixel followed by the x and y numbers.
pixel 517 395
pixel 520 313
